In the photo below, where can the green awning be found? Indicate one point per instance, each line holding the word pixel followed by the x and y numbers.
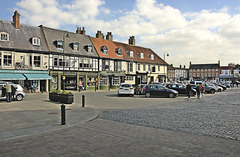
pixel 38 76
pixel 11 76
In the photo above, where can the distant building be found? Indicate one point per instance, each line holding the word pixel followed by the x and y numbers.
pixel 204 72
pixel 177 73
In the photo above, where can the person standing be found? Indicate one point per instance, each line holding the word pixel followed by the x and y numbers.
pixel 8 91
pixel 79 86
pixel 198 90
pixel 202 90
pixel 188 88
pixel 13 92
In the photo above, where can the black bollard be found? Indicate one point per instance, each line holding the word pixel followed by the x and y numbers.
pixel 83 100
pixel 95 88
pixel 63 115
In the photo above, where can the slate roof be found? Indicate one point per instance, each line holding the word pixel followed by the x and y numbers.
pixel 98 43
pixel 52 35
pixel 204 66
pixel 136 50
pixel 20 39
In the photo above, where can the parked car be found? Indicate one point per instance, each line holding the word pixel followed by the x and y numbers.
pixel 180 88
pixel 19 95
pixel 227 84
pixel 221 85
pixel 139 89
pixel 159 91
pixel 125 89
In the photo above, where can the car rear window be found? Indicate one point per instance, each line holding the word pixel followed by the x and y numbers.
pixel 126 85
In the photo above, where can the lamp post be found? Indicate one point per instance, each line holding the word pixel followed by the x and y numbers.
pixel 165 53
pixel 64 63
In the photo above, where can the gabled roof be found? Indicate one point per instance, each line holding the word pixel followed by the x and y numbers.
pixel 53 35
pixel 20 39
pixel 204 66
pixel 98 43
pixel 136 50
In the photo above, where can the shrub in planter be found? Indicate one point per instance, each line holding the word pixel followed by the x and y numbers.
pixel 53 95
pixel 66 97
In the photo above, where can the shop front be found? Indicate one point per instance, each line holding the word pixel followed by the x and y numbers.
pixel 28 79
pixel 111 80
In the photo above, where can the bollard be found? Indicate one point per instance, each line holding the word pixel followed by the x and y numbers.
pixel 95 88
pixel 63 115
pixel 83 100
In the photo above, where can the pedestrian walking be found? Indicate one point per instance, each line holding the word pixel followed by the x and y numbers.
pixel 198 91
pixel 202 90
pixel 13 92
pixel 189 89
pixel 8 92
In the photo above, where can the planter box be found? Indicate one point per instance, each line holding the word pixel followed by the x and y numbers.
pixel 67 99
pixel 54 97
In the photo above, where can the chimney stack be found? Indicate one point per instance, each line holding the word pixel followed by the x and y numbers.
pixel 99 35
pixel 131 40
pixel 16 19
pixel 109 36
pixel 80 31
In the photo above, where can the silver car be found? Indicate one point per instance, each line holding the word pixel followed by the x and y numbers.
pixel 19 95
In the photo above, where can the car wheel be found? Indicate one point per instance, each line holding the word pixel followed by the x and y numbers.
pixel 19 97
pixel 219 90
pixel 171 95
pixel 147 95
pixel 132 95
pixel 212 91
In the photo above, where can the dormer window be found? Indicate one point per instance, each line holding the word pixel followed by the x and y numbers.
pixel 141 55
pixel 36 41
pixel 4 36
pixel 89 48
pixel 151 57
pixel 130 53
pixel 59 44
pixel 104 50
pixel 118 51
pixel 76 46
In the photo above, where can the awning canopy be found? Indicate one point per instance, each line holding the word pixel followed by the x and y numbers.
pixel 38 76
pixel 11 76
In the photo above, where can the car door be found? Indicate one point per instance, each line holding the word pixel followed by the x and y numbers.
pixel 182 89
pixel 153 90
pixel 162 91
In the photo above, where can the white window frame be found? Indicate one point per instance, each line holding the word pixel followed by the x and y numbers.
pixel 36 41
pixel 4 36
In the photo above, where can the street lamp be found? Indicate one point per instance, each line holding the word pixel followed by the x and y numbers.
pixel 165 53
pixel 64 63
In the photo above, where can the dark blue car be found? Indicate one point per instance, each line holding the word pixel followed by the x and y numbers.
pixel 154 90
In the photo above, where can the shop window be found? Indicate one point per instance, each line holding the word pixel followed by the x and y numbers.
pixel 129 78
pixel 7 59
pixel 104 80
pixel 116 80
pixel 91 81
pixel 37 61
pixel 4 36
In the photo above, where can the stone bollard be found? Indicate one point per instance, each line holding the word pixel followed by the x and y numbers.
pixel 63 114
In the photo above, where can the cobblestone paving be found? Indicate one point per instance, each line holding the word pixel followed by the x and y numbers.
pixel 215 115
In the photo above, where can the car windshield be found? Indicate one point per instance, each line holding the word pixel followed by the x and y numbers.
pixel 181 86
pixel 126 85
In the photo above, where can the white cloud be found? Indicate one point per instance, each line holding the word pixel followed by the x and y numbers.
pixel 201 37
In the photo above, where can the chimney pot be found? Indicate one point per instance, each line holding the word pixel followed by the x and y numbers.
pixel 16 19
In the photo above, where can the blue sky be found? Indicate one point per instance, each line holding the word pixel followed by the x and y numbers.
pixel 200 31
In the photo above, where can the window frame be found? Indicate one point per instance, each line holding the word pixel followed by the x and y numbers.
pixel 36 41
pixel 4 36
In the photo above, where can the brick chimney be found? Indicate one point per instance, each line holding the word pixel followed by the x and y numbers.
pixel 16 19
pixel 131 40
pixel 80 31
pixel 109 36
pixel 99 35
